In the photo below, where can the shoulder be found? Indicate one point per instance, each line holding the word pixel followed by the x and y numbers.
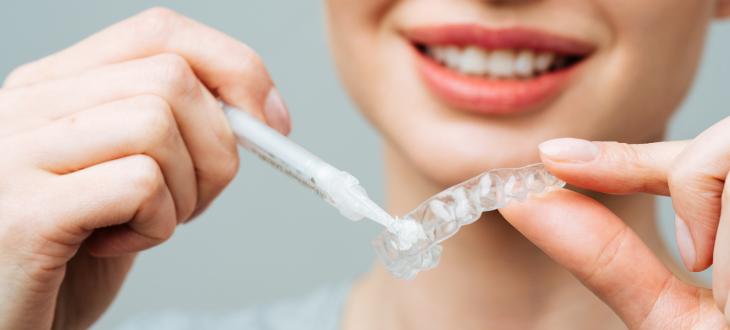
pixel 320 310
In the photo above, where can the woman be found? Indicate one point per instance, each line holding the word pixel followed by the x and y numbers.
pixel 456 88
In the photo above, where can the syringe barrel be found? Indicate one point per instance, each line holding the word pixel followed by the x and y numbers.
pixel 338 188
pixel 280 152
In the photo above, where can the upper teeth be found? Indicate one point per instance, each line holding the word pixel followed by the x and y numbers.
pixel 501 63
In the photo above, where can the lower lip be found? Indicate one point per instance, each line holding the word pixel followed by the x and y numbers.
pixel 488 96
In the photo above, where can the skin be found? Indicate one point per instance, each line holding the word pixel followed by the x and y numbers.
pixel 108 146
pixel 134 108
pixel 618 94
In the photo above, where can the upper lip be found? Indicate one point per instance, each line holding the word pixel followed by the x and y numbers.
pixel 501 38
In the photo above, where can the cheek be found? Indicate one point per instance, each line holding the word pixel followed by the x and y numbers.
pixel 658 44
pixel 345 14
pixel 353 28
pixel 648 68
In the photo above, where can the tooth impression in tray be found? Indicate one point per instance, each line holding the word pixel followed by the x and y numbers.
pixel 408 245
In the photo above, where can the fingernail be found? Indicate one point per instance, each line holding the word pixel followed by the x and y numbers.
pixel 277 114
pixel 685 243
pixel 570 150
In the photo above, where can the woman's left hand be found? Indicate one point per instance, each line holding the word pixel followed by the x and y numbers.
pixel 610 258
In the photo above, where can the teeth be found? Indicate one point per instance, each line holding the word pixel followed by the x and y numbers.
pixel 500 63
pixel 452 57
pixel 436 53
pixel 543 61
pixel 474 61
pixel 525 64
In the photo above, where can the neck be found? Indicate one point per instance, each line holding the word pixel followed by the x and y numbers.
pixel 489 274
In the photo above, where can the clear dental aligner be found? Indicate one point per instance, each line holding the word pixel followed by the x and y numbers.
pixel 408 245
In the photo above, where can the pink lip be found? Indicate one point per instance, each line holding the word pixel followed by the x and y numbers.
pixel 492 96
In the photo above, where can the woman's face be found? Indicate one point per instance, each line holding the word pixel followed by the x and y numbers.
pixel 464 86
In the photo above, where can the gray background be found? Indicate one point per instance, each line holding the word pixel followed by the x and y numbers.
pixel 266 237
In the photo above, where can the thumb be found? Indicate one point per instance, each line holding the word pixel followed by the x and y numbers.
pixel 612 261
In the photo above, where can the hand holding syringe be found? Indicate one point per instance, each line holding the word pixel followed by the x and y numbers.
pixel 408 245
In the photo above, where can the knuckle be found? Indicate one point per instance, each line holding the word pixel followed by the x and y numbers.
pixel 155 25
pixel 160 14
pixel 164 231
pixel 247 60
pixel 186 203
pixel 155 117
pixel 676 176
pixel 17 76
pixel 696 193
pixel 215 175
pixel 187 207
pixel 29 74
pixel 229 168
pixel 174 74
pixel 147 176
pixel 150 102
pixel 624 151
pixel 224 170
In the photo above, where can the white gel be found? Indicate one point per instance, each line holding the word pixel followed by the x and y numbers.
pixel 407 231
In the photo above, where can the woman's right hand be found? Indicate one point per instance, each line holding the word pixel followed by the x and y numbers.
pixel 608 257
pixel 106 147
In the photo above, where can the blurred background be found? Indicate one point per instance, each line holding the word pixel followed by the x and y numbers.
pixel 267 238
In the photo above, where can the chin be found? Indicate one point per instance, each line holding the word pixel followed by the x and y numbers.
pixel 455 152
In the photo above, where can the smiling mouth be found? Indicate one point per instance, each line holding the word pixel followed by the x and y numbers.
pixel 495 71
pixel 499 63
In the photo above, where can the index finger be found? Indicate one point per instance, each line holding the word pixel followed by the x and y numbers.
pixel 611 167
pixel 224 65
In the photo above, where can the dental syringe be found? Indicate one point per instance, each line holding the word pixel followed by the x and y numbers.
pixel 338 188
